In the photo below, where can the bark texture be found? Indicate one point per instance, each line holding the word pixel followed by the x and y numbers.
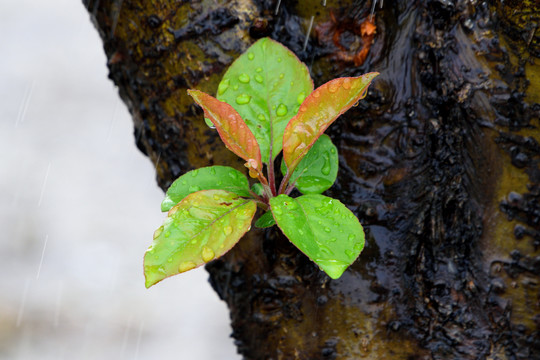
pixel 440 162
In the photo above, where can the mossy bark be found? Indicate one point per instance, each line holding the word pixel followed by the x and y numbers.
pixel 440 162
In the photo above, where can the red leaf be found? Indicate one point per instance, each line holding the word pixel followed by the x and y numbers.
pixel 231 127
pixel 318 111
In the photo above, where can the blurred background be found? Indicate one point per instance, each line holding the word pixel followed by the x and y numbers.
pixel 79 205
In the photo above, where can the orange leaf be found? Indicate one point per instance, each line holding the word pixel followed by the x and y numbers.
pixel 320 109
pixel 231 127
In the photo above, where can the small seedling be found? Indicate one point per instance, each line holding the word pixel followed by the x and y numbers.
pixel 265 104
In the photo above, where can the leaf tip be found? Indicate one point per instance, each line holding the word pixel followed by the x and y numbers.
pixel 333 268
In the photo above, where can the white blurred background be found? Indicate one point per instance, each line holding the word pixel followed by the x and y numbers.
pixel 79 204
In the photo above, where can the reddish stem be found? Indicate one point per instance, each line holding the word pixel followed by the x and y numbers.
pixel 272 176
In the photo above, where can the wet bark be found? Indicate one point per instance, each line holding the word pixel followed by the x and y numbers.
pixel 440 162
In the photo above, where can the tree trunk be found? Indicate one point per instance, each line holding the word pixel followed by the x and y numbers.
pixel 440 162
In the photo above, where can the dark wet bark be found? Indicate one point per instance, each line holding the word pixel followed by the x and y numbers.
pixel 440 162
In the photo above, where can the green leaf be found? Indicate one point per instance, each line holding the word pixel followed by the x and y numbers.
pixel 320 109
pixel 266 220
pixel 322 228
pixel 203 226
pixel 266 85
pixel 258 189
pixel 317 171
pixel 231 128
pixel 206 178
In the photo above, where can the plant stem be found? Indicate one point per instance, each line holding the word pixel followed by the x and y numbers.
pixel 284 182
pixel 257 197
pixel 289 189
pixel 272 176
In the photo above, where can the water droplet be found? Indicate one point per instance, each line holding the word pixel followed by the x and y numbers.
pixel 184 182
pixel 259 69
pixel 333 151
pixel 300 98
pixel 167 234
pixel 212 171
pixel 259 79
pixel 281 110
pixel 334 86
pixel 325 250
pixel 279 60
pixel 243 99
pixel 227 230
pixel 316 94
pixel 244 78
pixel 327 229
pixel 281 76
pixel 261 117
pixel 207 253
pixel 220 182
pixel 301 232
pixel 235 87
pixel 194 241
pixel 223 86
pixel 194 188
pixel 233 174
pixel 169 260
pixel 326 166
pixel 216 197
pixel 292 83
pixel 244 214
pixel 352 237
pixel 186 265
pixel 158 232
pixel 349 254
pixel 358 246
pixel 332 240
pixel 251 56
pixel 277 211
pixel 195 172
pixel 346 83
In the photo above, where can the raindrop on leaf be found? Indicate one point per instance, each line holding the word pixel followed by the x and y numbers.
pixel 223 86
pixel 326 166
pixel 227 230
pixel 186 265
pixel 281 110
pixel 300 98
pixel 244 78
pixel 158 232
pixel 207 254
pixel 243 99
